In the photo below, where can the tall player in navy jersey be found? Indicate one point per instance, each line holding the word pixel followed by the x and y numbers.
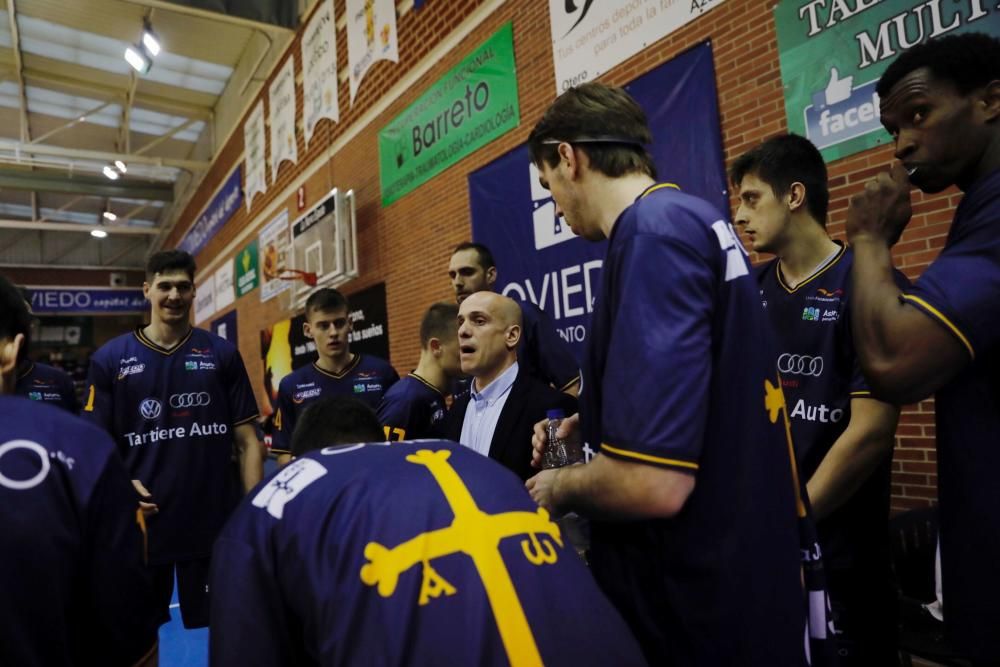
pixel 404 554
pixel 940 101
pixel 693 500
pixel 74 587
pixel 336 372
pixel 843 436
pixel 414 408
pixel 541 352
pixel 176 400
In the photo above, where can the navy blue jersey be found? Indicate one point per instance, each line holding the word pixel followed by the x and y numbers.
pixel 541 352
pixel 959 290
pixel 820 374
pixel 412 409
pixel 75 589
pixel 416 553
pixel 172 415
pixel 366 378
pixel 40 382
pixel 679 374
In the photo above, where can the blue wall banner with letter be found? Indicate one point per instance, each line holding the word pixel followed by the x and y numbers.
pixel 225 327
pixel 216 214
pixel 538 257
pixel 63 300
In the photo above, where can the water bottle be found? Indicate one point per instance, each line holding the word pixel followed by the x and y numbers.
pixel 559 453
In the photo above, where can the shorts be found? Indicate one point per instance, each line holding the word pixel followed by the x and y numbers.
pixel 192 590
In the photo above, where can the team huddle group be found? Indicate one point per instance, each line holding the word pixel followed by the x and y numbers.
pixel 738 423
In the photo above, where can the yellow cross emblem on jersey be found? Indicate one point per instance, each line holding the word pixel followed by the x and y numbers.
pixel 478 535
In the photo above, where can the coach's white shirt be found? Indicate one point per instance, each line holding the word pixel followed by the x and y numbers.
pixel 484 410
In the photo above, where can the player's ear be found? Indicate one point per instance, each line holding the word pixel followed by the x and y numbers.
pixel 512 336
pixel 9 350
pixel 991 101
pixel 491 276
pixel 434 344
pixel 306 329
pixel 796 196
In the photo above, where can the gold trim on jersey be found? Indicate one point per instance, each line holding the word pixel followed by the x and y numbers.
pixel 572 382
pixel 659 186
pixel 247 420
pixel 342 374
pixel 931 310
pixel 822 270
pixel 649 457
pixel 426 383
pixel 142 338
pixel 31 367
pixel 860 394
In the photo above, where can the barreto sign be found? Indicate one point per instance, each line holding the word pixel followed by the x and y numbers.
pixel 833 52
pixel 469 107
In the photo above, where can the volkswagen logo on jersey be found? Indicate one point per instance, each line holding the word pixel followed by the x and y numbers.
pixel 150 408
pixel 191 400
pixel 800 364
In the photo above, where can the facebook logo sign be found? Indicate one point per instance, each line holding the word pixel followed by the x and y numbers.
pixel 841 112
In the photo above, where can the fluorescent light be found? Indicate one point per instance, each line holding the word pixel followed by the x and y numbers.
pixel 150 42
pixel 98 233
pixel 108 215
pixel 121 166
pixel 139 61
pixel 111 173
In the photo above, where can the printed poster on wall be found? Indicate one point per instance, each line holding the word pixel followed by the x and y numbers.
pixel 319 69
pixel 255 165
pixel 215 215
pixel 245 263
pixel 371 36
pixel 589 38
pixel 370 322
pixel 538 257
pixel 833 55
pixel 275 244
pixel 204 301
pixel 281 98
pixel 224 292
pixel 224 326
pixel 467 108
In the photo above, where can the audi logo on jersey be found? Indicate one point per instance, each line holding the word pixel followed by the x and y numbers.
pixel 150 408
pixel 191 400
pixel 800 364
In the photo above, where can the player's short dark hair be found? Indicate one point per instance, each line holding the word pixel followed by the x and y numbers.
pixel 483 254
pixel 326 299
pixel 166 261
pixel 440 321
pixel 783 160
pixel 336 420
pixel 968 61
pixel 15 318
pixel 609 118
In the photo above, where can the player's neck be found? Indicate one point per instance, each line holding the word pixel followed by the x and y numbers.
pixel 431 373
pixel 166 335
pixel 803 255
pixel 337 364
pixel 616 195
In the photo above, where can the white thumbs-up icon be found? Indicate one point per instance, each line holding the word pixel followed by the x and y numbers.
pixel 838 90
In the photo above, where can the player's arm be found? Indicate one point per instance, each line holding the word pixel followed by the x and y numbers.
pixel 121 611
pixel 395 414
pixel 863 445
pixel 612 489
pixel 99 406
pixel 250 454
pixel 905 354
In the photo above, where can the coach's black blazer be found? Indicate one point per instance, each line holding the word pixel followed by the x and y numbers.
pixel 526 405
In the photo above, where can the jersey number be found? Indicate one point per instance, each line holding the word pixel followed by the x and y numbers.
pixel 277 419
pixel 89 407
pixel 394 431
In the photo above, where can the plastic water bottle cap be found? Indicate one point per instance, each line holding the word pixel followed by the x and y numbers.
pixel 556 413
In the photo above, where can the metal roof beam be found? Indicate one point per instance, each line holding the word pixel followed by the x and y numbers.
pixel 212 16
pixel 18 147
pixel 15 39
pixel 73 227
pixel 95 186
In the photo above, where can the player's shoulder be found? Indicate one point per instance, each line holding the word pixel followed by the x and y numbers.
pixel 765 271
pixel 123 344
pixel 300 374
pixel 200 338
pixel 685 212
pixel 370 362
pixel 54 430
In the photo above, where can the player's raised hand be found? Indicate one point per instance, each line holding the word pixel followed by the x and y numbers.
pixel 882 210
pixel 569 430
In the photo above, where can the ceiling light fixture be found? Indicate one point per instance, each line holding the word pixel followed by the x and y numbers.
pixel 109 216
pixel 149 39
pixel 98 233
pixel 110 172
pixel 137 58
pixel 120 166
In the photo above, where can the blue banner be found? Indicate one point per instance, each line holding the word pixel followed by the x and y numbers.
pixel 215 215
pixel 225 327
pixel 63 300
pixel 538 257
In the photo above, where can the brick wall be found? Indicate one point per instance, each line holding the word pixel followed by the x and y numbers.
pixel 407 244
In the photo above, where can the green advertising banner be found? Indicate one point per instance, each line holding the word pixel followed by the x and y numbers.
pixel 247 275
pixel 833 52
pixel 469 107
